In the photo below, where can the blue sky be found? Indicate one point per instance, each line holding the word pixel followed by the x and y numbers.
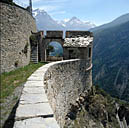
pixel 96 11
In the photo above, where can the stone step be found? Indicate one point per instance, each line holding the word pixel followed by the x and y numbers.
pixel 34 53
pixel 33 110
pixel 34 60
pixel 34 56
pixel 37 122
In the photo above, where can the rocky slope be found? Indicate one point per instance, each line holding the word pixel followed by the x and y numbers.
pixel 96 110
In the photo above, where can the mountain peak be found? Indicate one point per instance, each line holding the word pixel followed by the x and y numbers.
pixel 120 20
pixel 39 11
pixel 74 18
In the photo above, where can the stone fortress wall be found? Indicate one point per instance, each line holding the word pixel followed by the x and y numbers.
pixel 64 82
pixel 16 27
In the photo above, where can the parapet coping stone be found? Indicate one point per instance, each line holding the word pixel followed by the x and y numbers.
pixel 34 110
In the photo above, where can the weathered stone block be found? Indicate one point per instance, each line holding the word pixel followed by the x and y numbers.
pixel 33 110
pixel 28 98
pixel 38 122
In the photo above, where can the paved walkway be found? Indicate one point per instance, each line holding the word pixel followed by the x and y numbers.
pixel 34 110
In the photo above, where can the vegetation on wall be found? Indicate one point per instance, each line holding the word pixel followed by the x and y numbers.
pixel 25 50
pixel 33 40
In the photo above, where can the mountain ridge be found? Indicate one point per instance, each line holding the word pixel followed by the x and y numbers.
pixel 120 20
pixel 45 22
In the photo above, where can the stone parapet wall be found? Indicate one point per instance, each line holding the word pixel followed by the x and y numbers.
pixel 16 27
pixel 64 81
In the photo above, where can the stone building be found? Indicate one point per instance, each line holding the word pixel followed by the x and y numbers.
pixel 75 44
pixel 78 44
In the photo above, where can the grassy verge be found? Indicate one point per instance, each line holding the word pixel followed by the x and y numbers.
pixel 10 80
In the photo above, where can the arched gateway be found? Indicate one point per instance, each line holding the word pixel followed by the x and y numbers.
pixel 76 44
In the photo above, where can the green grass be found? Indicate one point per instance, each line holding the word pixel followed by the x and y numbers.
pixel 13 79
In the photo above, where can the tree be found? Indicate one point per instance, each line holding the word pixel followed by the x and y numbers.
pixel 50 48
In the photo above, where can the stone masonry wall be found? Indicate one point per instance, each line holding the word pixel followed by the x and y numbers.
pixel 64 81
pixel 16 27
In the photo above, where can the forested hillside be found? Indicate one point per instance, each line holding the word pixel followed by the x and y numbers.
pixel 111 60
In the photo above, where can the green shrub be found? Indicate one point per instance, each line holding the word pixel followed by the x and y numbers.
pixel 33 40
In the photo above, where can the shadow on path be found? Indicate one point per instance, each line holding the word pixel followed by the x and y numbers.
pixel 9 123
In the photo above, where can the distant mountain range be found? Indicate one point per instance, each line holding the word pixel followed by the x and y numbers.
pixel 118 21
pixel 111 57
pixel 45 22
pixel 76 24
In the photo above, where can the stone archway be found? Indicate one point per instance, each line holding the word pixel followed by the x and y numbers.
pixel 54 51
pixel 51 36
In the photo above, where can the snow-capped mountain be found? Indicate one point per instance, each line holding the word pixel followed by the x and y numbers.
pixel 46 22
pixel 76 24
